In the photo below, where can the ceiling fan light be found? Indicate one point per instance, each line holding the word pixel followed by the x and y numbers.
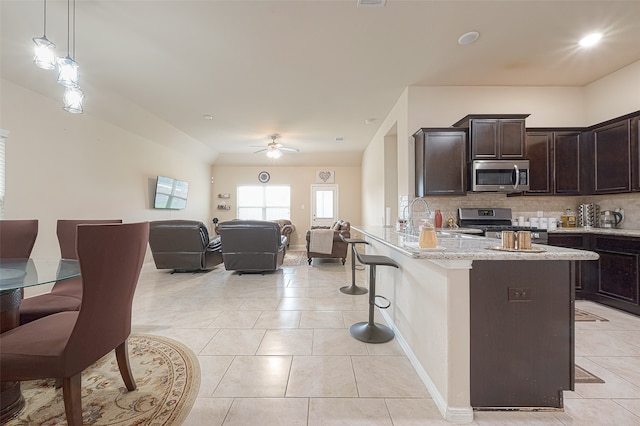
pixel 72 99
pixel 68 72
pixel 274 153
pixel 44 54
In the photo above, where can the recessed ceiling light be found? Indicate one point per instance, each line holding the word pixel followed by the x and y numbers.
pixel 339 139
pixel 590 40
pixel 468 38
pixel 370 120
pixel 207 117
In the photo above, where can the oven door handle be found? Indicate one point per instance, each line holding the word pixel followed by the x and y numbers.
pixel 517 177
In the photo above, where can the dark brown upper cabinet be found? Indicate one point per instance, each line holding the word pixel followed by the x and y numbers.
pixel 440 161
pixel 538 149
pixel 635 154
pixel 493 137
pixel 612 158
pixel 567 162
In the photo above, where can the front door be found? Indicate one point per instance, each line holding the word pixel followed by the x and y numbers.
pixel 324 205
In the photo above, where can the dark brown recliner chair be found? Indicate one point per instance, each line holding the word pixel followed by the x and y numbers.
pixel 65 295
pixel 339 247
pixel 62 345
pixel 252 245
pixel 17 238
pixel 183 245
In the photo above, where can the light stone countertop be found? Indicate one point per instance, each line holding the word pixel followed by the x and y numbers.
pixel 459 246
pixel 622 232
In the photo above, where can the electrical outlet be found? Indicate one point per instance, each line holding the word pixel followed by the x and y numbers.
pixel 519 294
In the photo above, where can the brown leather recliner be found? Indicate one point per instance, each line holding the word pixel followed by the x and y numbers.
pixel 286 228
pixel 252 245
pixel 183 245
pixel 339 248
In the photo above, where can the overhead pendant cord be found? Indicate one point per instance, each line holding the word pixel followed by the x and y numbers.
pixel 45 55
pixel 68 69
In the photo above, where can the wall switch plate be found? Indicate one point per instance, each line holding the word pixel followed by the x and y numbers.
pixel 519 294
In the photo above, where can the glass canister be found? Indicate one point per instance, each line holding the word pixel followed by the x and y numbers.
pixel 428 237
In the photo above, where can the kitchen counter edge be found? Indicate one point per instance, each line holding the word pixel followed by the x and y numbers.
pixel 467 247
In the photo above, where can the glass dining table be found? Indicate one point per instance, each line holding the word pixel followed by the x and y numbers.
pixel 15 275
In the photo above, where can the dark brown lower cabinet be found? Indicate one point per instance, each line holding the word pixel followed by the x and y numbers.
pixel 522 333
pixel 618 283
pixel 613 279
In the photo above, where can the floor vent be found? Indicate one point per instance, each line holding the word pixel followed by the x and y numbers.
pixel 371 3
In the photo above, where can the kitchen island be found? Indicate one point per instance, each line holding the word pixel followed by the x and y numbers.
pixel 484 328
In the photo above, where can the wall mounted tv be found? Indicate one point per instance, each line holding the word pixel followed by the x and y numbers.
pixel 170 193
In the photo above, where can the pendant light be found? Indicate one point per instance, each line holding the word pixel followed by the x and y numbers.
pixel 45 56
pixel 67 67
pixel 72 99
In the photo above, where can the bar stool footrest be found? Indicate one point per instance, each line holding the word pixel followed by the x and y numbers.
pixel 371 333
pixel 385 299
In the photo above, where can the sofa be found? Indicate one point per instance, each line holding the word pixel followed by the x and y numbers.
pixel 338 248
pixel 286 229
pixel 183 245
pixel 252 245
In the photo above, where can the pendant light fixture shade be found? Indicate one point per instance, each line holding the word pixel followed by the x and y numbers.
pixel 73 97
pixel 67 72
pixel 45 55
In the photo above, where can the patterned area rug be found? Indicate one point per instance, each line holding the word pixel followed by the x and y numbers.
pixel 295 258
pixel 581 315
pixel 166 372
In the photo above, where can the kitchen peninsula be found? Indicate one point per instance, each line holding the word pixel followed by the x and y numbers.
pixel 484 328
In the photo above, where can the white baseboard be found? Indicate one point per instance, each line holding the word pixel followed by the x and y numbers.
pixel 450 414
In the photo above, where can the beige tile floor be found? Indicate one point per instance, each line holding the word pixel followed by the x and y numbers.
pixel 275 349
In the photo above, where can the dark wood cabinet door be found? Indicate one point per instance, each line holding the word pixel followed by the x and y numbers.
pixel 566 163
pixel 612 158
pixel 635 154
pixel 440 161
pixel 538 150
pixel 444 163
pixel 512 136
pixel 419 163
pixel 484 139
pixel 618 282
pixel 619 275
pixel 581 271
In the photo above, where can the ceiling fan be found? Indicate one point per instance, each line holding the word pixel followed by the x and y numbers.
pixel 275 149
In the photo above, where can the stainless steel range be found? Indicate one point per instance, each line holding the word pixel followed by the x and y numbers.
pixel 493 221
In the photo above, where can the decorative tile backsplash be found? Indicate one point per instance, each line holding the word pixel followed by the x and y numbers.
pixel 552 206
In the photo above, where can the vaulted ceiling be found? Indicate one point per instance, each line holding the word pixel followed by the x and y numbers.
pixel 312 71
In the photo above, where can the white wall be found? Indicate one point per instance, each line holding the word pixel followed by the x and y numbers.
pixel 227 178
pixel 614 95
pixel 66 166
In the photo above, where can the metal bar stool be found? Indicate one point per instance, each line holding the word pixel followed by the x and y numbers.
pixel 353 288
pixel 371 332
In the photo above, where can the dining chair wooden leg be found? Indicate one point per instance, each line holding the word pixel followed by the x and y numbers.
pixel 122 356
pixel 72 395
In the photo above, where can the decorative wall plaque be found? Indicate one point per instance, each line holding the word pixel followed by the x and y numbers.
pixel 325 176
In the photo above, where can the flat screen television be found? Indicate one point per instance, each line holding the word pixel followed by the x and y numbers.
pixel 170 193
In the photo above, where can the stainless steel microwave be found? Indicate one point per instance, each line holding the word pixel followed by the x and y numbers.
pixel 500 175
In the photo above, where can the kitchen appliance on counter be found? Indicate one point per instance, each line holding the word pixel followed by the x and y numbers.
pixel 610 219
pixel 588 215
pixel 493 221
pixel 500 175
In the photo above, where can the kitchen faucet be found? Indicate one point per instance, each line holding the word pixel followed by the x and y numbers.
pixel 411 227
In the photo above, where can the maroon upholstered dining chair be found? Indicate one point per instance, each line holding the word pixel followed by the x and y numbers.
pixel 17 238
pixel 62 345
pixel 65 295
